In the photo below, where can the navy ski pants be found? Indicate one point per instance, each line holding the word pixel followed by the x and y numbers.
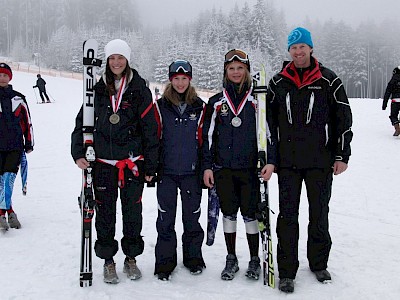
pixel 193 234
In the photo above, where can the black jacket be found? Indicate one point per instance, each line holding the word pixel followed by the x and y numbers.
pixel 136 132
pixel 16 132
pixel 310 118
pixel 181 137
pixel 223 144
pixel 41 84
pixel 392 89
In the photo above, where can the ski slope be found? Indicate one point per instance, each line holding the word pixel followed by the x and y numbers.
pixel 41 260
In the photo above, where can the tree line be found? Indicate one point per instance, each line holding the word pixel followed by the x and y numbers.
pixel 50 34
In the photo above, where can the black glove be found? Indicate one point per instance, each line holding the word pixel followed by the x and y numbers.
pixel 384 106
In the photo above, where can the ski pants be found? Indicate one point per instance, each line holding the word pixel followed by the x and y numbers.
pixel 193 234
pixel 9 165
pixel 43 94
pixel 394 113
pixel 238 189
pixel 318 184
pixel 105 183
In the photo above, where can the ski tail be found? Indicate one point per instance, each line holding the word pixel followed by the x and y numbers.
pixel 263 215
pixel 213 215
pixel 24 173
pixel 86 199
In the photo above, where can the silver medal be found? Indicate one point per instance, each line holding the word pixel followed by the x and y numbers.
pixel 114 119
pixel 236 122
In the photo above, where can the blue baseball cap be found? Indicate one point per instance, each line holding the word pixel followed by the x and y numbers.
pixel 300 35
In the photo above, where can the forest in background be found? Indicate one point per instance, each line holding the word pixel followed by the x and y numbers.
pixel 50 33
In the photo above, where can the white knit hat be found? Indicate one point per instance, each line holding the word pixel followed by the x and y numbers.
pixel 118 46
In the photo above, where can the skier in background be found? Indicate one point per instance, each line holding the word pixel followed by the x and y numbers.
pixel 126 147
pixel 230 145
pixel 393 91
pixel 41 85
pixel 308 109
pixel 181 113
pixel 16 136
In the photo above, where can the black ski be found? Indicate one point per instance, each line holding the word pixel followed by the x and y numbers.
pixel 260 89
pixel 86 199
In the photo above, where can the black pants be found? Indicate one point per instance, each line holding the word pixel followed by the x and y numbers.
pixel 193 234
pixel 10 161
pixel 319 186
pixel 43 92
pixel 106 193
pixel 394 112
pixel 238 189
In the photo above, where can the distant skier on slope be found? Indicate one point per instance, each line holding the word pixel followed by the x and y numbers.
pixel 393 90
pixel 41 85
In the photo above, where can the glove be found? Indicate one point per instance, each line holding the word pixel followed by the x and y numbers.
pixel 384 105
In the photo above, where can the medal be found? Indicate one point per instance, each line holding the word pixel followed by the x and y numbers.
pixel 115 102
pixel 236 122
pixel 114 119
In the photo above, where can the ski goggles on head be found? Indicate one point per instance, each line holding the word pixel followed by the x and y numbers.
pixel 236 54
pixel 180 66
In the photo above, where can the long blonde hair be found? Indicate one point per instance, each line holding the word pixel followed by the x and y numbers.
pixel 173 96
pixel 245 82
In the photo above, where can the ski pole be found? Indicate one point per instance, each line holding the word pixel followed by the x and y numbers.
pixel 37 101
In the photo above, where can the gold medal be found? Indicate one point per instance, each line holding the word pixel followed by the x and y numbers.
pixel 236 122
pixel 114 119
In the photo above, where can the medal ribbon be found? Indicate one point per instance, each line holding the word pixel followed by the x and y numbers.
pixel 235 111
pixel 116 101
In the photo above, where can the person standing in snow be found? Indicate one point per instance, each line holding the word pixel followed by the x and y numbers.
pixel 230 158
pixel 181 116
pixel 393 91
pixel 16 136
pixel 310 120
pixel 126 147
pixel 41 85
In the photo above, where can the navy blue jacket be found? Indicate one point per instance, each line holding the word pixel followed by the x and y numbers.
pixel 181 137
pixel 16 131
pixel 223 144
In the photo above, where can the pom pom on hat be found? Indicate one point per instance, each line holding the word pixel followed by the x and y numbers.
pixel 118 46
pixel 4 68
pixel 299 35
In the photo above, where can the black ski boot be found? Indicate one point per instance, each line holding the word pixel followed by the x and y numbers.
pixel 231 267
pixel 323 276
pixel 253 271
pixel 286 285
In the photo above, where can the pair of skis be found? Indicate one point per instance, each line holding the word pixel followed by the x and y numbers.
pixel 259 90
pixel 86 199
pixel 264 224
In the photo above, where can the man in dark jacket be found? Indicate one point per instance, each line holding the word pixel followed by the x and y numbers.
pixel 309 108
pixel 41 85
pixel 393 90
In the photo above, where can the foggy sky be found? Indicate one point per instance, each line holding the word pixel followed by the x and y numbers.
pixel 352 12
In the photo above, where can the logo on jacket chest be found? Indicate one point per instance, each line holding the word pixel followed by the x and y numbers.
pixel 192 116
pixel 224 110
pixel 315 87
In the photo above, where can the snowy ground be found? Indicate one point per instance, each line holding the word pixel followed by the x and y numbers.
pixel 41 260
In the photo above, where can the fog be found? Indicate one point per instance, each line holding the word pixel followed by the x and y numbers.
pixel 352 12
